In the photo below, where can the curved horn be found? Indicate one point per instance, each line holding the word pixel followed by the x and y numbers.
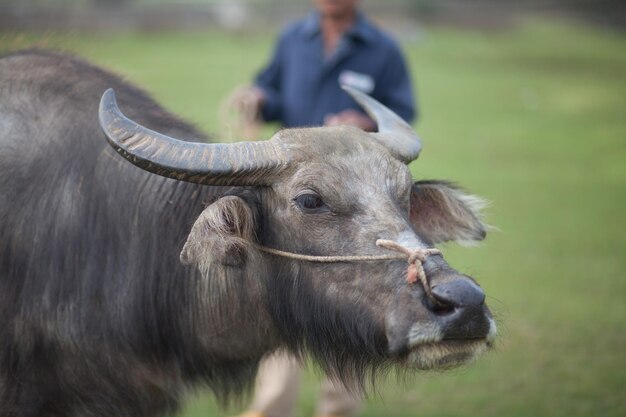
pixel 242 163
pixel 393 132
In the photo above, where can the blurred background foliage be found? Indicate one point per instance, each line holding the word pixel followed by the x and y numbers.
pixel 522 102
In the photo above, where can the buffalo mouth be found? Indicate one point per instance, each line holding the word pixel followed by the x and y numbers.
pixel 430 350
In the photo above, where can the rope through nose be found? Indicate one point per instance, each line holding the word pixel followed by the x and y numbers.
pixel 415 259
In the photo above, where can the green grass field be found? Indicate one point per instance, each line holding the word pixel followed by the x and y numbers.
pixel 534 119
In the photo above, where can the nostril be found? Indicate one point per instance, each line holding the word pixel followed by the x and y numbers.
pixel 459 293
pixel 440 308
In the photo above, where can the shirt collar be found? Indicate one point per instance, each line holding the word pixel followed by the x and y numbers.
pixel 361 30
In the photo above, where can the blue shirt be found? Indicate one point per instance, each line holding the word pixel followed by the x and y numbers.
pixel 302 86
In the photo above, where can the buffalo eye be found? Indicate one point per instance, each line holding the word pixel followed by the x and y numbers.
pixel 310 203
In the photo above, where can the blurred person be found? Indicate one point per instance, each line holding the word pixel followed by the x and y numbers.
pixel 336 44
pixel 301 86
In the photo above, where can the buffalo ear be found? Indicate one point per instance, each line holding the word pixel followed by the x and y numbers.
pixel 441 212
pixel 221 234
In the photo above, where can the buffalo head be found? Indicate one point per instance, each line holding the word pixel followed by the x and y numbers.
pixel 330 191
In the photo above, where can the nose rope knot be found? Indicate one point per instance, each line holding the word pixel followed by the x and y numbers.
pixel 415 259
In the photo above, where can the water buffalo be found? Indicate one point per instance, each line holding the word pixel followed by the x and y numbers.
pixel 119 287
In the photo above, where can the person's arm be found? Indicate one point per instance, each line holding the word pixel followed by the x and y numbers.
pixel 396 90
pixel 261 100
pixel 268 83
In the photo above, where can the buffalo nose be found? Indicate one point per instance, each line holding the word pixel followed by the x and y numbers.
pixel 461 309
pixel 459 293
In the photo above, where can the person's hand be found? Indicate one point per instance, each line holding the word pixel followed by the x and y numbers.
pixel 240 112
pixel 350 117
pixel 247 102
